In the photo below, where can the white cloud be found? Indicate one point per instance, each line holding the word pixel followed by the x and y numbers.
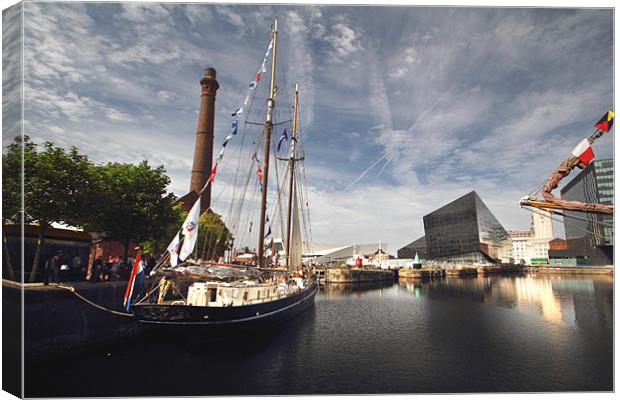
pixel 231 16
pixel 343 39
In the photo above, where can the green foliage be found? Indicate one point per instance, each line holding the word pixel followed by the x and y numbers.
pixel 12 177
pixel 213 236
pixel 132 203
pixel 56 183
pixel 157 245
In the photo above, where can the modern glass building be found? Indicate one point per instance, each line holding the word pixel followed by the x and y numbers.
pixel 464 231
pixel 590 236
pixel 417 246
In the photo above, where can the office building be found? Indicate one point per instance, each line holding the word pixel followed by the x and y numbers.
pixel 465 231
pixel 532 246
pixel 417 246
pixel 590 236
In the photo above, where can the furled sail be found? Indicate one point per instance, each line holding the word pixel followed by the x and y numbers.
pixel 295 256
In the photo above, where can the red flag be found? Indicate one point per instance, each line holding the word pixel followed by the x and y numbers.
pixel 213 171
pixel 135 281
pixel 584 152
pixel 259 172
pixel 605 123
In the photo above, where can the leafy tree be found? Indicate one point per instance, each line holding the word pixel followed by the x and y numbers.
pixel 11 190
pixel 132 204
pixel 56 186
pixel 213 236
pixel 157 244
pixel 12 177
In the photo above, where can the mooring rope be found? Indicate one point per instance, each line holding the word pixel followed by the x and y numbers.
pixel 79 296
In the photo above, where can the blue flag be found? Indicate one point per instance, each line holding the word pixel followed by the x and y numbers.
pixel 282 138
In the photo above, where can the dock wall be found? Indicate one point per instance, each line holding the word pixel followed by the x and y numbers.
pixel 55 320
pixel 573 270
pixel 342 275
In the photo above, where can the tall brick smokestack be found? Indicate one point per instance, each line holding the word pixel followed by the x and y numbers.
pixel 203 152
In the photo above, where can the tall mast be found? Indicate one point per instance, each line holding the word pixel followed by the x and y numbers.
pixel 267 133
pixel 292 177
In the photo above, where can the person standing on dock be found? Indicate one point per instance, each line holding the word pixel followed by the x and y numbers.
pixel 52 268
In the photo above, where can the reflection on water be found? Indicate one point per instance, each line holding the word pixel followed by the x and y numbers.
pixel 345 289
pixel 554 297
pixel 520 333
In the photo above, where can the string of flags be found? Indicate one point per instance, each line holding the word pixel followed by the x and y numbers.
pixel 583 151
pixel 259 170
pixel 235 115
pixel 259 175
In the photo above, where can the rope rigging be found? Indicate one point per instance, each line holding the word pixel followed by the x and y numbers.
pixel 536 211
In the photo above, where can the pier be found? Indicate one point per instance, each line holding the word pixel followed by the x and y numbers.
pixel 605 270
pixel 460 271
pixel 421 273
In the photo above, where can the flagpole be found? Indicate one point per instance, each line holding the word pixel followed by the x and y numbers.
pixel 291 178
pixel 267 145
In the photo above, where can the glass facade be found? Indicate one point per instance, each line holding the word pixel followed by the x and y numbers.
pixel 409 250
pixel 590 233
pixel 463 231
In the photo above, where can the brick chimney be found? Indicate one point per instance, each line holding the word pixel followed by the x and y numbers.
pixel 203 151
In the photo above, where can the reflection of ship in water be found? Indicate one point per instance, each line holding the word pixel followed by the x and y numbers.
pixel 341 289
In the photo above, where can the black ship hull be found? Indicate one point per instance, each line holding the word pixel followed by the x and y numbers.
pixel 252 316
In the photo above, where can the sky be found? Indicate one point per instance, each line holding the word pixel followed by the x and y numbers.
pixel 403 109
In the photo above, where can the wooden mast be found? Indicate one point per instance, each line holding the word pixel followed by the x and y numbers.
pixel 551 202
pixel 291 178
pixel 267 133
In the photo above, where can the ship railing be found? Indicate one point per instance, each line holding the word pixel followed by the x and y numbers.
pixel 270 298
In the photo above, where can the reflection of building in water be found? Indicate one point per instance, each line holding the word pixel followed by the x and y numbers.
pixel 341 289
pixel 592 299
pixel 538 291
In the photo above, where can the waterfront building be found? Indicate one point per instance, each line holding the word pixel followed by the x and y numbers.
pixel 329 254
pixel 532 246
pixel 417 246
pixel 21 246
pixel 590 236
pixel 465 231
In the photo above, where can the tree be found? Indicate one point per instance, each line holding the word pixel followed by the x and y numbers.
pixel 213 236
pixel 56 185
pixel 177 216
pixel 11 192
pixel 133 205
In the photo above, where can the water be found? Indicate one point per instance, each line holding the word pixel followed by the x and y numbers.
pixel 546 333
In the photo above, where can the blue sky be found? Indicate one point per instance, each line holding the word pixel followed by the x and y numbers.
pixel 404 109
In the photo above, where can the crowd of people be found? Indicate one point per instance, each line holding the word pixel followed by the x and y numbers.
pixel 61 268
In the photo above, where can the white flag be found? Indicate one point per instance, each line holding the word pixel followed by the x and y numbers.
pixel 190 231
pixel 173 250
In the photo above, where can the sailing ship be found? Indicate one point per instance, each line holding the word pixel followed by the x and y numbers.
pixel 196 291
pixel 580 157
